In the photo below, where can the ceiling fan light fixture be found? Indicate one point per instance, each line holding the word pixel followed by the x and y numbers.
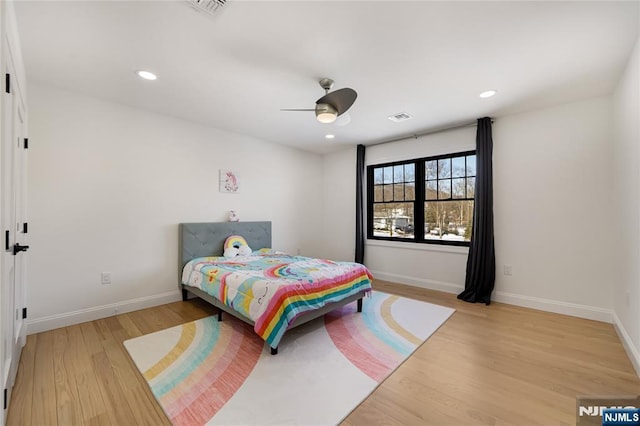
pixel 326 113
pixel 332 104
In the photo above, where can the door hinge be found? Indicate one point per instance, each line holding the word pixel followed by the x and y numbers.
pixel 7 83
pixel 6 393
pixel 6 240
pixel 24 313
pixel 26 143
pixel 25 228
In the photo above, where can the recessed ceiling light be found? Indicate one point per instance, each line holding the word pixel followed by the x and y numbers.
pixel 488 94
pixel 147 75
pixel 329 136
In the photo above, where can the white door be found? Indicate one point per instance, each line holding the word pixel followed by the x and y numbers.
pixel 13 211
pixel 21 225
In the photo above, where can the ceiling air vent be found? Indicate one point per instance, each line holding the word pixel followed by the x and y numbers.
pixel 209 6
pixel 401 116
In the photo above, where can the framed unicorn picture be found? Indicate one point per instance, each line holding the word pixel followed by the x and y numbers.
pixel 229 182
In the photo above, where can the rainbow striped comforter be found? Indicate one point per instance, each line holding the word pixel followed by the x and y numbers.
pixel 272 289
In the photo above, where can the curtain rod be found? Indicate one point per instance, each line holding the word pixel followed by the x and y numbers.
pixel 430 132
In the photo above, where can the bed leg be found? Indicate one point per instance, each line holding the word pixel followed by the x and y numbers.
pixel 219 314
pixel 360 305
pixel 185 295
pixel 274 351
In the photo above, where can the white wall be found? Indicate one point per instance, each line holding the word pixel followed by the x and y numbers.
pixel 108 185
pixel 339 205
pixel 626 166
pixel 552 210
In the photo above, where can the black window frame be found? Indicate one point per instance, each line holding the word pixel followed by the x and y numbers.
pixel 419 198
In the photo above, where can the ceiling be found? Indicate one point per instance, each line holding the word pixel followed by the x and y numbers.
pixel 237 69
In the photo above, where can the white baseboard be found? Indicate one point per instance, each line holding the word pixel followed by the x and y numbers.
pixel 555 306
pixel 632 351
pixel 38 325
pixel 418 282
pixel 565 308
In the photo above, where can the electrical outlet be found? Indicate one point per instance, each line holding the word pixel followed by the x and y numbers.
pixel 105 277
pixel 508 270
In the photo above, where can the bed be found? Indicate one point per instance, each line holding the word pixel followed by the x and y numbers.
pixel 272 291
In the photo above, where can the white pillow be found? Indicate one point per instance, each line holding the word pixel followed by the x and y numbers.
pixel 245 250
pixel 230 252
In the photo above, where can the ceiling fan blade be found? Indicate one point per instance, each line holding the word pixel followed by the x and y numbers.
pixel 298 109
pixel 341 99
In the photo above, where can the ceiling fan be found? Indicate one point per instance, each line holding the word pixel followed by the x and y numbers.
pixel 332 104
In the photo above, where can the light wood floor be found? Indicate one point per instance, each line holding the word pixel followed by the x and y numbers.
pixel 495 365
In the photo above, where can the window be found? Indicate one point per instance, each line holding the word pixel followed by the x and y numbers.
pixel 426 200
pixel 394 195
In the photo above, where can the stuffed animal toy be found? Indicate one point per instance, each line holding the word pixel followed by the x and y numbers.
pixel 236 245
pixel 230 252
pixel 244 250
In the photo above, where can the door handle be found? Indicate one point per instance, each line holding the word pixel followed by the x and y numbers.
pixel 17 248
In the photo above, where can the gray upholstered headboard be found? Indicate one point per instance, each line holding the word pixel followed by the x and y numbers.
pixel 207 239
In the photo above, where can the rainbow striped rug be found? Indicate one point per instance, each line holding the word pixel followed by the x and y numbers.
pixel 206 372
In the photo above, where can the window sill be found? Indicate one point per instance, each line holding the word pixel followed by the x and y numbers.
pixel 421 247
